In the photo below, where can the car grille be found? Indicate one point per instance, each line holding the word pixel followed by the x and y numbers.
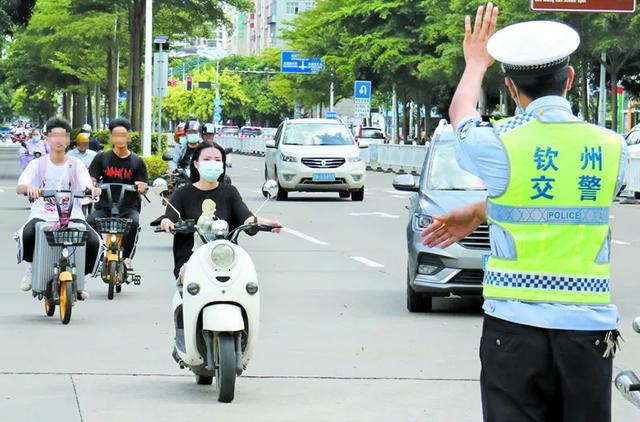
pixel 479 239
pixel 310 181
pixel 469 276
pixel 323 163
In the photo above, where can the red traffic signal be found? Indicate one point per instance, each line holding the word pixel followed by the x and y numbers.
pixel 189 83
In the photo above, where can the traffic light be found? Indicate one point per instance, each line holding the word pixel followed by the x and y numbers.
pixel 189 83
pixel 173 83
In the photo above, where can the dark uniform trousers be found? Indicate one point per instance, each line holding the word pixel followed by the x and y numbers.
pixel 532 374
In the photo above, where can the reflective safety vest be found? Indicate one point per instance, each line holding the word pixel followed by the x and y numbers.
pixel 562 180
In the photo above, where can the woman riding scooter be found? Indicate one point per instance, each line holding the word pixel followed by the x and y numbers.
pixel 32 148
pixel 207 170
pixel 216 325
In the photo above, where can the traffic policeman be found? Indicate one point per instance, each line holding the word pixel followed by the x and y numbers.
pixel 549 331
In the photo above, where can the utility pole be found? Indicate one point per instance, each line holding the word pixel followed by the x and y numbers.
pixel 602 99
pixel 394 116
pixel 146 110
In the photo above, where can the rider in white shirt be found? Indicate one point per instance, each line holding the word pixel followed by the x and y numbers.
pixel 57 172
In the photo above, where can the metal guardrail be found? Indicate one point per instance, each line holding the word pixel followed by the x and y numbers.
pixel 384 157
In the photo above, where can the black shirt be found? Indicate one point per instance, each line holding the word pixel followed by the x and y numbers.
pixel 188 200
pixel 186 158
pixel 107 167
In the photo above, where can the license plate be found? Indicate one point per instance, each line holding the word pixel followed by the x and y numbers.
pixel 324 177
pixel 485 260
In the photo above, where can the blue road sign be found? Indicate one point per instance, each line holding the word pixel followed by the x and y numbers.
pixel 293 62
pixel 217 109
pixel 362 89
pixel 332 115
pixel 217 102
pixel 217 117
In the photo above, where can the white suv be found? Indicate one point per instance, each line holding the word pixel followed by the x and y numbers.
pixel 315 155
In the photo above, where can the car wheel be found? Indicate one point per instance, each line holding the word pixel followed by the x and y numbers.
pixel 282 194
pixel 345 194
pixel 417 302
pixel 637 195
pixel 358 195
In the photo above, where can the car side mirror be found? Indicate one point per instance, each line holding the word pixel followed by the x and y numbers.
pixel 271 143
pixel 167 157
pixel 363 143
pixel 405 183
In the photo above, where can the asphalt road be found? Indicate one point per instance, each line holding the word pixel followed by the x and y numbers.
pixel 336 341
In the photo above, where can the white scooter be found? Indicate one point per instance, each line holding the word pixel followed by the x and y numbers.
pixel 217 316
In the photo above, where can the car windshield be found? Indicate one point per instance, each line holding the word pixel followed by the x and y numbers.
pixel 445 173
pixel 229 129
pixel 317 134
pixel 372 133
pixel 250 131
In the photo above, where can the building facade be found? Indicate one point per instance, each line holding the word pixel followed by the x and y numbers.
pixel 263 28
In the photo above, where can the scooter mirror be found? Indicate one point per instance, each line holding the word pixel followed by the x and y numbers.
pixel 167 157
pixel 270 188
pixel 159 186
pixel 624 383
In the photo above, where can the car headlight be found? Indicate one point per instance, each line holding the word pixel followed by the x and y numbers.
pixel 288 158
pixel 422 221
pixel 354 158
pixel 223 256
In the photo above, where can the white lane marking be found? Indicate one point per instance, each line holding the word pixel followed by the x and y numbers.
pixel 254 169
pixel 612 217
pixel 380 214
pixel 366 261
pixel 304 236
pixel 620 242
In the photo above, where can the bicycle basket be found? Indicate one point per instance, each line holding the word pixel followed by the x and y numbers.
pixel 113 225
pixel 67 237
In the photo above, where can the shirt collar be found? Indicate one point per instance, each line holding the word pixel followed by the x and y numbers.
pixel 547 103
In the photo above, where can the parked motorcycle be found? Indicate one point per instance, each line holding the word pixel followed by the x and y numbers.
pixel 627 382
pixel 217 318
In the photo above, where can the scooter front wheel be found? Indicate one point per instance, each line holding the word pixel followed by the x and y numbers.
pixel 225 366
pixel 66 301
pixel 112 279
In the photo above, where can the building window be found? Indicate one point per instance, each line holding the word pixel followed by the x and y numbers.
pixel 309 5
pixel 292 8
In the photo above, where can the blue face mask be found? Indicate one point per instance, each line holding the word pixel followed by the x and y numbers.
pixel 183 140
pixel 193 138
pixel 211 170
pixel 36 138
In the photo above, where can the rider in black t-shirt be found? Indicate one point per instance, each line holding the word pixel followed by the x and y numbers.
pixel 120 166
pixel 206 193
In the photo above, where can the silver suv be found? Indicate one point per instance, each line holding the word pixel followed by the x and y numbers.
pixel 443 186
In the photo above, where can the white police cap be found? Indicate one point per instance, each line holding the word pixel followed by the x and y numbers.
pixel 533 48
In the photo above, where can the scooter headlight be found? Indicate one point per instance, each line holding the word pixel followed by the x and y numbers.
pixel 223 256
